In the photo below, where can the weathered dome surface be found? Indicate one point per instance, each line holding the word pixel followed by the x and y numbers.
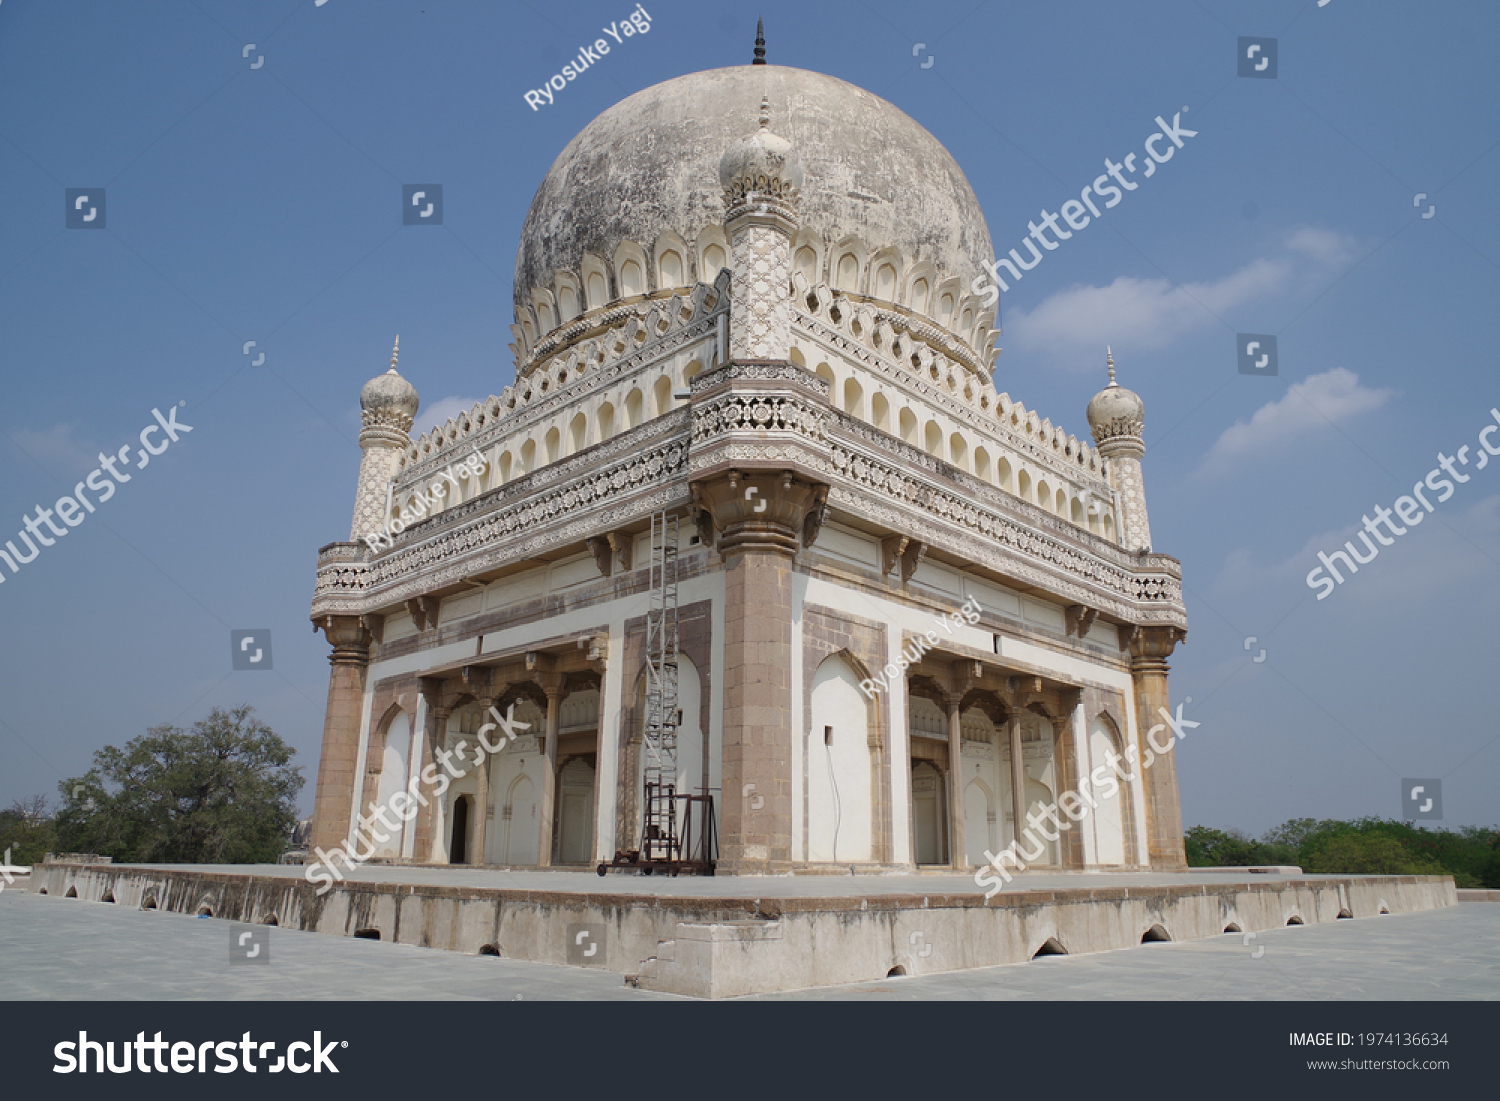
pixel 1116 411
pixel 651 162
pixel 389 398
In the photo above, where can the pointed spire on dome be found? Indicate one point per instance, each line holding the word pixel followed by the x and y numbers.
pixel 1116 415
pixel 762 163
pixel 389 401
pixel 760 42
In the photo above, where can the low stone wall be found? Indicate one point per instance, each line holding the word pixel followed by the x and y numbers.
pixel 723 947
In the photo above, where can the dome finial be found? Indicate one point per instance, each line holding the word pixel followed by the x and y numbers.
pixel 395 351
pixel 1109 359
pixel 760 42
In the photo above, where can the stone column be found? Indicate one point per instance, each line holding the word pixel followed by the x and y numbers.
pixel 334 802
pixel 1017 781
pixel 430 845
pixel 1149 650
pixel 552 685
pixel 479 825
pixel 957 853
pixel 1064 759
pixel 759 515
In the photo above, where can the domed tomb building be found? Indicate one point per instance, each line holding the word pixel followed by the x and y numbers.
pixel 752 521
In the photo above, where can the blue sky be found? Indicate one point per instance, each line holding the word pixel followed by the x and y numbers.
pixel 260 202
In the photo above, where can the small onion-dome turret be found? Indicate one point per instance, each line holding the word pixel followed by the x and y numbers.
pixel 1116 413
pixel 763 162
pixel 388 399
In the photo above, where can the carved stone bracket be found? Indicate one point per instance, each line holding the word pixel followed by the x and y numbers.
pixel 817 513
pixel 912 558
pixel 1079 619
pixel 892 547
pixel 375 624
pixel 620 543
pixel 423 611
pixel 604 556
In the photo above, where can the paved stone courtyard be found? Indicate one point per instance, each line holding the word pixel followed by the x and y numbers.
pixel 61 949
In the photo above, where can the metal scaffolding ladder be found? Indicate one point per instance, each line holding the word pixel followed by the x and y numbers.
pixel 659 840
pixel 669 841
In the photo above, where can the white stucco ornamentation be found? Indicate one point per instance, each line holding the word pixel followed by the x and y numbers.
pixel 760 305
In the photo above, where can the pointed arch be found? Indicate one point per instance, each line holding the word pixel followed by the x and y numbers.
pixel 837 756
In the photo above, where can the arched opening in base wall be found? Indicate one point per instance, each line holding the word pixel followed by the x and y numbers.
pixel 1345 914
pixel 72 893
pixel 1294 920
pixel 109 896
pixel 205 910
pixel 367 934
pixel 929 813
pixel 270 919
pixel 1052 947
pixel 488 950
pixel 458 845
pixel 1155 935
pixel 895 972
pixel 150 903
pixel 1232 928
pixel 42 891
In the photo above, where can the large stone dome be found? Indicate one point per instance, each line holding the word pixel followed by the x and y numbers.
pixel 650 165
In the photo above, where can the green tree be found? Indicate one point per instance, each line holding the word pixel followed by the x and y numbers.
pixel 26 830
pixel 1368 854
pixel 223 793
pixel 1210 848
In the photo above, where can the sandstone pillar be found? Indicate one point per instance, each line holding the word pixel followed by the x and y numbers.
pixel 552 685
pixel 430 845
pixel 1017 781
pixel 759 515
pixel 479 824
pixel 957 853
pixel 334 802
pixel 1065 768
pixel 1149 650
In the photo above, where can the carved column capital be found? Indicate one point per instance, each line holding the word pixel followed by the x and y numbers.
pixel 759 509
pixel 348 636
pixel 1151 646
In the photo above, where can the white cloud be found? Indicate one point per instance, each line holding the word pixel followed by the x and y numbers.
pixel 1147 315
pixel 1308 406
pixel 58 449
pixel 438 413
pixel 1447 551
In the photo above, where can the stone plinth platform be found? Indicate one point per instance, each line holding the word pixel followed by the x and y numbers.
pixel 722 937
